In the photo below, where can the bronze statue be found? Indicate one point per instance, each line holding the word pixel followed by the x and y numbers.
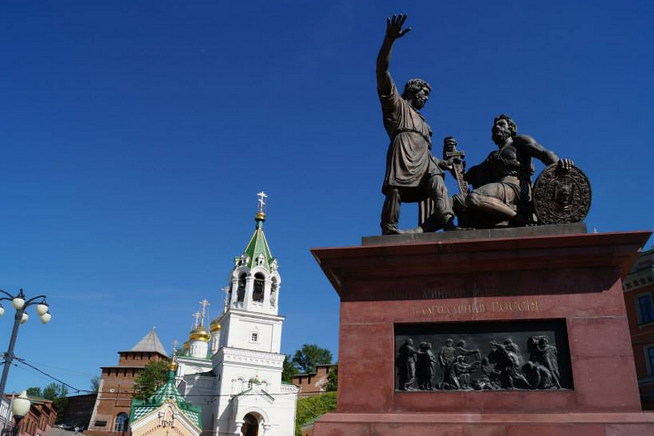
pixel 502 183
pixel 425 366
pixel 413 174
pixel 406 363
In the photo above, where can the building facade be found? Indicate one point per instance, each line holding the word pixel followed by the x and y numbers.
pixel 166 413
pixel 237 375
pixel 40 418
pixel 314 383
pixel 5 412
pixel 79 409
pixel 638 288
pixel 112 407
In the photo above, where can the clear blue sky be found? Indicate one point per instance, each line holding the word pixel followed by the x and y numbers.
pixel 135 136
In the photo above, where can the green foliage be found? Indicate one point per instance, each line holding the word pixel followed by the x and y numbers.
pixel 289 370
pixel 61 403
pixel 150 378
pixel 54 390
pixel 310 355
pixel 95 384
pixel 57 393
pixel 34 392
pixel 332 380
pixel 311 408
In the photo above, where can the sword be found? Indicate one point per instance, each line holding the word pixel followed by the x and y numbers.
pixel 458 165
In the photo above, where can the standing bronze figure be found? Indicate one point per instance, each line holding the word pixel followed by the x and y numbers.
pixel 413 174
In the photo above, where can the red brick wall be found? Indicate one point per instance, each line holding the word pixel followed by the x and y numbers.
pixel 41 417
pixel 640 281
pixel 117 391
pixel 310 384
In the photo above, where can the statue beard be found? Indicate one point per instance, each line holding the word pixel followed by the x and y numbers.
pixel 419 103
pixel 501 136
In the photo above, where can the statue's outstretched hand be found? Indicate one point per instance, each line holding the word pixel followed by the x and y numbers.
pixel 447 164
pixel 394 26
pixel 565 164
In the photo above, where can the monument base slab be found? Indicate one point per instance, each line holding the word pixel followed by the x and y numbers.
pixel 487 424
pixel 507 286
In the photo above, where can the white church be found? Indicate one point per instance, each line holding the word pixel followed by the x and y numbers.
pixel 233 370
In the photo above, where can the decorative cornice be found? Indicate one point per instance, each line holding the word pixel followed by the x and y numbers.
pixel 251 357
pixel 260 315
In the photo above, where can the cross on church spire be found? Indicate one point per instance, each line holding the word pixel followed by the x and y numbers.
pixel 204 303
pixel 262 202
pixel 196 318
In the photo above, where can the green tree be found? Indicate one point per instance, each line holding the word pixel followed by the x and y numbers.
pixel 311 408
pixel 150 378
pixel 57 393
pixel 35 392
pixel 289 370
pixel 332 380
pixel 54 390
pixel 95 384
pixel 309 356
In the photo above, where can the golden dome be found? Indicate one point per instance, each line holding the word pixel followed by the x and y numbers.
pixel 199 334
pixel 172 366
pixel 214 326
pixel 186 345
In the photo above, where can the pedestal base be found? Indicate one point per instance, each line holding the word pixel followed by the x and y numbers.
pixel 487 424
pixel 510 285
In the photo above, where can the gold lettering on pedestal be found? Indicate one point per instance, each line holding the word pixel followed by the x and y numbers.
pixel 527 305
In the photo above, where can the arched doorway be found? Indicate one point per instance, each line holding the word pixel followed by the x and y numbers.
pixel 250 425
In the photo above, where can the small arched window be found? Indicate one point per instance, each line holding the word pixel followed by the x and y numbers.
pixel 259 283
pixel 273 291
pixel 121 422
pixel 240 293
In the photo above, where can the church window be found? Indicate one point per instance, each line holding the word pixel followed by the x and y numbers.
pixel 121 422
pixel 254 337
pixel 259 282
pixel 240 293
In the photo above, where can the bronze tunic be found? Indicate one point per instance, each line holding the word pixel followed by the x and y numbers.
pixel 408 160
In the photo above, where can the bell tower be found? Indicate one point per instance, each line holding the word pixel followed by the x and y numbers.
pixel 246 343
pixel 254 281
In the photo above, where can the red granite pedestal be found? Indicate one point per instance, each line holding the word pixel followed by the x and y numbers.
pixel 485 277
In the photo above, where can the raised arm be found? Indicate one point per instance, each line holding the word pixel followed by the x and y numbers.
pixel 548 157
pixel 393 31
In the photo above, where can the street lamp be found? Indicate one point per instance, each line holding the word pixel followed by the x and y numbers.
pixel 19 408
pixel 21 305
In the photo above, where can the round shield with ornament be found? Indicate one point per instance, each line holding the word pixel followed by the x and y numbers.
pixel 561 196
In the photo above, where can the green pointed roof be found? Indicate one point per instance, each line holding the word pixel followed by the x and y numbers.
pixel 167 392
pixel 258 245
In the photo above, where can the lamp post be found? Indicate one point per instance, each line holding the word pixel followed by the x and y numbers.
pixel 19 408
pixel 21 305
